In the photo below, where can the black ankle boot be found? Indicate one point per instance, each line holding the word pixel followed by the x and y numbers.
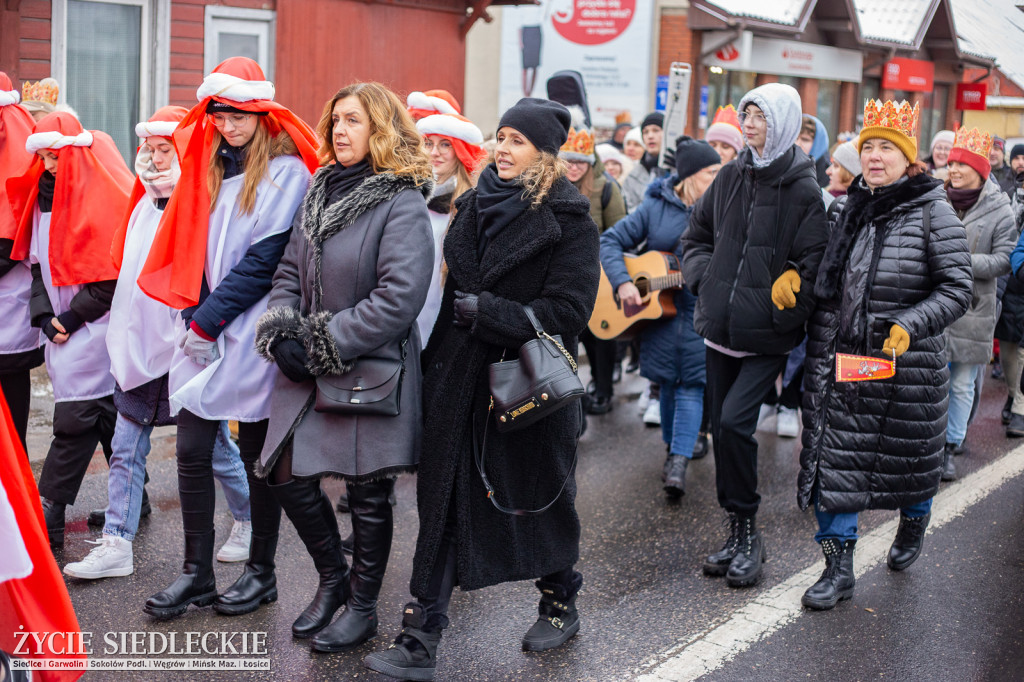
pixel 558 619
pixel 413 656
pixel 745 569
pixel 313 517
pixel 257 584
pixel 701 447
pixel 837 581
pixel 53 514
pixel 717 564
pixel 196 584
pixel 948 467
pixel 909 541
pixel 675 476
pixel 372 526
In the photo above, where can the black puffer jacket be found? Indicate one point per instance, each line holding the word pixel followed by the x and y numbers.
pixel 878 444
pixel 752 225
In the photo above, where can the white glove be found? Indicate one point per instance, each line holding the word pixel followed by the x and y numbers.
pixel 199 350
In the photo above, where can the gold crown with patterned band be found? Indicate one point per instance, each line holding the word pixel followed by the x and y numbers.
pixel 894 122
pixel 972 146
pixel 41 95
pixel 579 146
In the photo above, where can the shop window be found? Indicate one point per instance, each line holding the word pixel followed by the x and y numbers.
pixel 238 32
pixel 933 117
pixel 828 106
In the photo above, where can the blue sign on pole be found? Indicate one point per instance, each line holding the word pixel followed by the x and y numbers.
pixel 661 94
pixel 702 122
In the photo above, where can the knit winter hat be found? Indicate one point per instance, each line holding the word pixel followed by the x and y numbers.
pixel 947 136
pixel 972 147
pixel 693 155
pixel 725 128
pixel 894 122
pixel 634 135
pixel 998 143
pixel 847 156
pixel 655 118
pixel 543 122
pixel 1017 150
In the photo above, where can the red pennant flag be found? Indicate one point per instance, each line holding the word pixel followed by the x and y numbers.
pixel 863 367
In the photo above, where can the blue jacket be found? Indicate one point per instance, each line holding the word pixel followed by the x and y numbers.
pixel 670 350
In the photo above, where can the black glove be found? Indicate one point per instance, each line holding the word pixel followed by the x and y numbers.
pixel 50 330
pixel 71 321
pixel 291 358
pixel 668 161
pixel 465 309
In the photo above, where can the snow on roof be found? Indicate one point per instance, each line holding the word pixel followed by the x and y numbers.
pixel 992 28
pixel 775 11
pixel 892 22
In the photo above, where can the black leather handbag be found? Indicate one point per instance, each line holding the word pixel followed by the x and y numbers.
pixel 372 386
pixel 543 380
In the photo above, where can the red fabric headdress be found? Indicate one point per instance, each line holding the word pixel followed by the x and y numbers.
pixel 173 273
pixel 91 192
pixel 465 137
pixel 15 127
pixel 161 124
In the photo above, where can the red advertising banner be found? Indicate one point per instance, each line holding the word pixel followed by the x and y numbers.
pixel 914 75
pixel 971 96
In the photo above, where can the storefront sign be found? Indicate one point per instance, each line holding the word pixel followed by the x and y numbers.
pixel 971 96
pixel 913 75
pixel 748 52
pixel 595 37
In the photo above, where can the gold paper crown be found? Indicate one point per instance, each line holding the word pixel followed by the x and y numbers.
pixel 44 91
pixel 901 117
pixel 581 142
pixel 974 141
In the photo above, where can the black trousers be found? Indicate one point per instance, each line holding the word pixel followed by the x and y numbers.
pixel 196 438
pixel 737 387
pixel 602 357
pixel 78 427
pixel 17 390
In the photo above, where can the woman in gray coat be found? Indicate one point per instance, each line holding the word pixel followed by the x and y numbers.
pixel 991 235
pixel 349 287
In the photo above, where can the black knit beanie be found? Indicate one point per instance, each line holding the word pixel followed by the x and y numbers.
pixel 693 155
pixel 215 107
pixel 1018 150
pixel 543 122
pixel 655 118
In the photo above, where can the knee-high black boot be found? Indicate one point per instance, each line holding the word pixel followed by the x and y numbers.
pixel 257 584
pixel 196 584
pixel 313 517
pixel 372 526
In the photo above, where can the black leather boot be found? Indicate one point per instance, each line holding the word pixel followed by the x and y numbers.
pixel 348 544
pixel 53 514
pixel 837 581
pixel 1007 410
pixel 675 476
pixel 372 526
pixel 717 564
pixel 196 584
pixel 909 541
pixel 948 467
pixel 342 505
pixel 701 447
pixel 313 517
pixel 413 656
pixel 558 619
pixel 745 569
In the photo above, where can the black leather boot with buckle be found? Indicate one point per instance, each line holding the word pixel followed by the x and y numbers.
pixel 909 541
pixel 745 569
pixel 558 619
pixel 837 581
pixel 717 564
pixel 413 656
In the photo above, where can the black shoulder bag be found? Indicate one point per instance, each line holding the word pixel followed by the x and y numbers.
pixel 372 386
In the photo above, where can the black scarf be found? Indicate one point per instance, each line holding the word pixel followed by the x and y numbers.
pixel 232 158
pixel 498 203
pixel 47 183
pixel 862 207
pixel 649 161
pixel 343 179
pixel 963 199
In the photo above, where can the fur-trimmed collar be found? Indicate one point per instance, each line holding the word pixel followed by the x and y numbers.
pixel 861 207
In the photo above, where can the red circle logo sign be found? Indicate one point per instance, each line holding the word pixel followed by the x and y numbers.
pixel 592 22
pixel 728 53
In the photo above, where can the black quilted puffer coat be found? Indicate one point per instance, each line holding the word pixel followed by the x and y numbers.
pixel 878 444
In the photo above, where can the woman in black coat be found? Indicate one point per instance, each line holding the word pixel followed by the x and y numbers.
pixel 523 236
pixel 896 273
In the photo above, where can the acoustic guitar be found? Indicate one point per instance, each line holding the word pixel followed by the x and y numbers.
pixel 656 274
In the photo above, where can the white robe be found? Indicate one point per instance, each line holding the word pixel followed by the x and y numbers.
pixel 141 349
pixel 80 367
pixel 17 334
pixel 238 384
pixel 425 320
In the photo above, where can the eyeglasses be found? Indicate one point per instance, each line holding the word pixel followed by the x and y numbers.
pixel 758 118
pixel 236 120
pixel 442 145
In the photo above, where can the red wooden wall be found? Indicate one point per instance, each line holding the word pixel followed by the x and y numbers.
pixel 25 40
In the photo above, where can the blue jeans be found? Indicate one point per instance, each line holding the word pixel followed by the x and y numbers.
pixel 682 408
pixel 962 383
pixel 131 444
pixel 844 526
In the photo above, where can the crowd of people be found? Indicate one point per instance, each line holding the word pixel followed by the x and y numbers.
pixel 341 291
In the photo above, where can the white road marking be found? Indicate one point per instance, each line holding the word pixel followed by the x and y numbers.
pixel 704 652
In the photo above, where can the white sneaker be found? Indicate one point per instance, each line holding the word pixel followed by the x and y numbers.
pixel 652 415
pixel 788 423
pixel 112 558
pixel 237 546
pixel 766 412
pixel 644 400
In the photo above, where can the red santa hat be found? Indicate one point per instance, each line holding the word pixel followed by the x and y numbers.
pixel 465 137
pixel 725 128
pixel 423 104
pixel 15 126
pixel 92 185
pixel 173 272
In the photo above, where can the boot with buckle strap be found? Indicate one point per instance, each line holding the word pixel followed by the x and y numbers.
pixel 837 580
pixel 558 619
pixel 413 656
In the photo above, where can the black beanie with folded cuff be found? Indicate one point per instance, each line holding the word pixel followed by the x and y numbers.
pixel 543 122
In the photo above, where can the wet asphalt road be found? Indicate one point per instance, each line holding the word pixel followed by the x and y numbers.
pixel 955 615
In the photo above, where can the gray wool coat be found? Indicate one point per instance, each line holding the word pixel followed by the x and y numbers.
pixel 351 283
pixel 991 236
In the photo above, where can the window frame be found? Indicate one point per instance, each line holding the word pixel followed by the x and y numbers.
pixel 219 17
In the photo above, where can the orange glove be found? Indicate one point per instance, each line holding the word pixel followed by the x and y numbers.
pixel 898 341
pixel 785 289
